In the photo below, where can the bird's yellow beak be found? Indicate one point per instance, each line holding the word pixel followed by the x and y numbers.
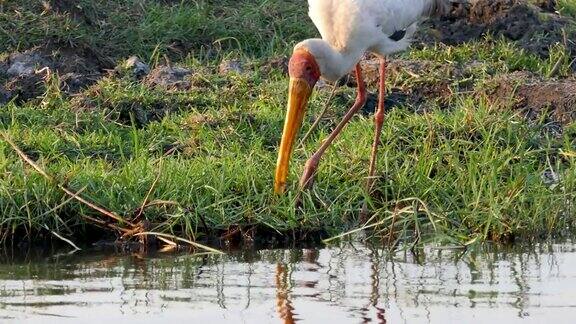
pixel 298 94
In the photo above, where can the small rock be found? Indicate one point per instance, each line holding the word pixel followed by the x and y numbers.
pixel 20 69
pixel 25 64
pixel 169 77
pixel 231 66
pixel 139 68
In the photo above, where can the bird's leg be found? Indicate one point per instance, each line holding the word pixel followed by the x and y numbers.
pixel 307 178
pixel 378 121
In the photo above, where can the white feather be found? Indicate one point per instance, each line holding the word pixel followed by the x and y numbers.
pixel 350 28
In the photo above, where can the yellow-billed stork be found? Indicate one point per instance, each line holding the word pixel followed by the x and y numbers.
pixel 349 29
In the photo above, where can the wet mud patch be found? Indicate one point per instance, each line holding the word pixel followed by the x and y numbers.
pixel 534 28
pixel 551 100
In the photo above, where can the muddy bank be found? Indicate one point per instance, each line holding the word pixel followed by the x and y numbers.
pixel 234 237
pixel 534 28
pixel 421 85
pixel 553 100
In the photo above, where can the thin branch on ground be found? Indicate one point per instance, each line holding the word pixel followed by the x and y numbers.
pixel 74 195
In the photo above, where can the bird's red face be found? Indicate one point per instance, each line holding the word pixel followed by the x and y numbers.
pixel 304 73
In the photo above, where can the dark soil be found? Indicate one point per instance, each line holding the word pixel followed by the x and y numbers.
pixel 24 88
pixel 24 74
pixel 535 28
pixel 5 95
pixel 553 100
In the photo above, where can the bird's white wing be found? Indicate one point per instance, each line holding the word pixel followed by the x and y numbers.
pixel 351 25
pixel 341 21
pixel 395 15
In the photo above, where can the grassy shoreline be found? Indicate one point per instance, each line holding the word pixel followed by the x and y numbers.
pixel 463 169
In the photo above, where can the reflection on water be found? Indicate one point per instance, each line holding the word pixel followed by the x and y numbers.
pixel 349 284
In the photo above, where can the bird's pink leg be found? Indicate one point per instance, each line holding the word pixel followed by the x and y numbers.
pixel 307 178
pixel 378 121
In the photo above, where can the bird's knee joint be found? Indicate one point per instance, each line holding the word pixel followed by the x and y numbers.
pixel 313 161
pixel 379 117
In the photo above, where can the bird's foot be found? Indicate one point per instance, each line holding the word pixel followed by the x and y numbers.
pixel 307 178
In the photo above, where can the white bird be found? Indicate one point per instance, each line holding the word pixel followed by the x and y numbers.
pixel 349 29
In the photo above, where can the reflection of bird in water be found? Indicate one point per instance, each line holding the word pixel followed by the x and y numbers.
pixel 375 279
pixel 349 29
pixel 375 293
pixel 283 302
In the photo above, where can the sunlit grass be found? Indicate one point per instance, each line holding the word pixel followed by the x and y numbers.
pixel 476 168
pixel 146 28
pixel 469 172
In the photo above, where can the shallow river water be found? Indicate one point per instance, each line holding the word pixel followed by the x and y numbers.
pixel 352 283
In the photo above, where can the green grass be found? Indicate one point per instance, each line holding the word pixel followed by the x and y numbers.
pixel 567 7
pixel 469 173
pixel 150 28
pixel 477 169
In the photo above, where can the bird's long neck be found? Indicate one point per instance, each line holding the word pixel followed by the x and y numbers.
pixel 334 63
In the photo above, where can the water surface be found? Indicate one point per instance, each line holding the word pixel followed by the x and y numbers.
pixel 353 283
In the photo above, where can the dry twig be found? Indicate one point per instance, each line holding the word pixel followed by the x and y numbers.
pixel 133 230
